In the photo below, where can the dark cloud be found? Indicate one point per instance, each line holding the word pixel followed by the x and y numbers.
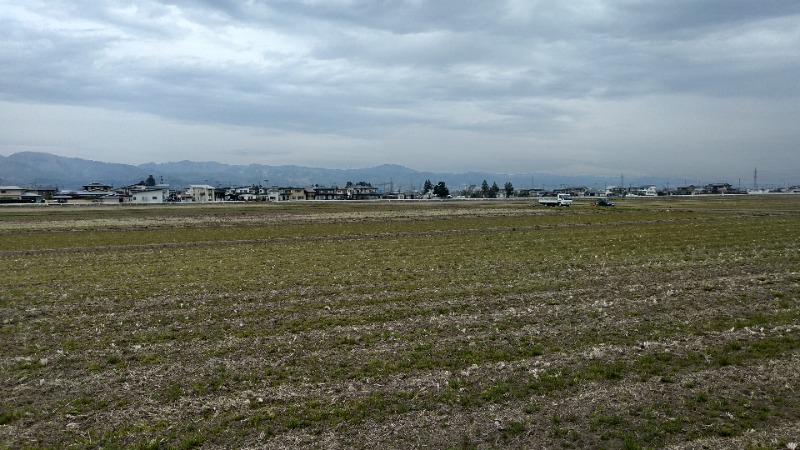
pixel 685 19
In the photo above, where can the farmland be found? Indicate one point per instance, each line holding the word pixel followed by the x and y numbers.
pixel 656 323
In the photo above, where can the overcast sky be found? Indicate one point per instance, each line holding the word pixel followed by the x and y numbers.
pixel 692 89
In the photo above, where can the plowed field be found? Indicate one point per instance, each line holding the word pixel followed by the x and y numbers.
pixel 456 324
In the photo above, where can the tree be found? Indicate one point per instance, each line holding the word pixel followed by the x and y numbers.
pixel 428 187
pixel 484 189
pixel 440 190
pixel 509 188
pixel 150 181
pixel 493 190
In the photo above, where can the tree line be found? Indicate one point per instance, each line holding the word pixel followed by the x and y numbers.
pixel 440 190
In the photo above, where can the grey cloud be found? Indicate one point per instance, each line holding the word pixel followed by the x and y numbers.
pixel 683 19
pixel 360 68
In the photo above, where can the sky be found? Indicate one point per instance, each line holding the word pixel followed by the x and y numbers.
pixel 705 90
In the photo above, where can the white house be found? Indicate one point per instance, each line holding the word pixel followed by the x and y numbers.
pixel 647 191
pixel 245 193
pixel 202 193
pixel 150 195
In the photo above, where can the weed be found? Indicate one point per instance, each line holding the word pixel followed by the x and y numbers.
pixel 514 428
pixel 6 417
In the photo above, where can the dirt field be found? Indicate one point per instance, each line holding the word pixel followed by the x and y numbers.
pixel 656 323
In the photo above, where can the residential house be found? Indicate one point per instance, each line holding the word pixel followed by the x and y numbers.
pixel 96 187
pixel 330 193
pixel 529 192
pixel 127 190
pixel 180 196
pixel 614 191
pixel 202 193
pixel 719 188
pixel 16 194
pixel 11 194
pixel 92 192
pixel 686 190
pixel 292 194
pixel 153 194
pixel 96 193
pixel 272 193
pixel 403 195
pixel 576 191
pixel 47 192
pixel 362 192
pixel 242 193
pixel 62 197
pixel 141 193
pixel 110 199
pixel 647 191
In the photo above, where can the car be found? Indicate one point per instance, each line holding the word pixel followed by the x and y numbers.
pixel 603 202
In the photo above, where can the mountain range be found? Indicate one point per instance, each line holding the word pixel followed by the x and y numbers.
pixel 29 169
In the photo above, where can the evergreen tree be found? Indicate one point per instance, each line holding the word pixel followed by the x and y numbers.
pixel 493 190
pixel 428 187
pixel 150 181
pixel 440 190
pixel 509 188
pixel 484 189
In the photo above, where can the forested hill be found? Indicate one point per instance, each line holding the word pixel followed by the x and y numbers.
pixel 28 169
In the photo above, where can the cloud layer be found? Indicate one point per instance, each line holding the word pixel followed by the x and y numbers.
pixel 699 89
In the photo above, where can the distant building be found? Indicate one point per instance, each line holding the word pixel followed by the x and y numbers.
pixel 575 191
pixel 8 193
pixel 47 192
pixel 150 195
pixel 330 193
pixel 243 193
pixel 96 187
pixel 615 191
pixel 202 193
pixel 362 192
pixel 292 194
pixel 647 191
pixel 16 194
pixel 719 188
pixel 111 199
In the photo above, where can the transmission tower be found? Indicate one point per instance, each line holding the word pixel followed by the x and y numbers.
pixel 755 179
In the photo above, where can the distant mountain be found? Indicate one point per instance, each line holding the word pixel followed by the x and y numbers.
pixel 27 169
pixel 43 169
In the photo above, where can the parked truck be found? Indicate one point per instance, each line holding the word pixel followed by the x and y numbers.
pixel 558 200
